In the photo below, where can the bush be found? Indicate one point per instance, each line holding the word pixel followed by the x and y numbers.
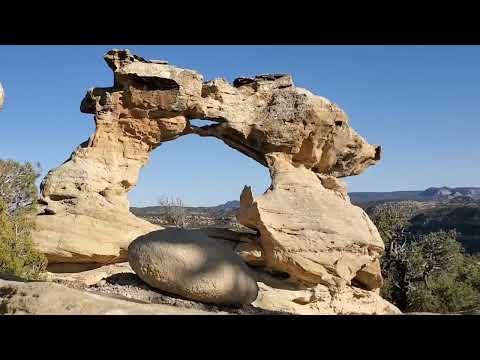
pixel 173 211
pixel 17 185
pixel 427 273
pixel 393 219
pixel 17 207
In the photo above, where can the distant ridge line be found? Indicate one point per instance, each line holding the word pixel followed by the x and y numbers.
pixel 430 194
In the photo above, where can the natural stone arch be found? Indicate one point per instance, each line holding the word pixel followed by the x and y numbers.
pixel 306 224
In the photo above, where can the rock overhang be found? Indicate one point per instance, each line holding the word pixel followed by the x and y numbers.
pixel 255 115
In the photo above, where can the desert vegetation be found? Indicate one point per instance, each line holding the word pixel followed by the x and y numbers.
pixel 173 211
pixel 425 272
pixel 18 194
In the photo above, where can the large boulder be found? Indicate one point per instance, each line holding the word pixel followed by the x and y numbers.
pixel 193 265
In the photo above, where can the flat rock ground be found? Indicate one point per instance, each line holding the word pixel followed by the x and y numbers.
pixel 128 286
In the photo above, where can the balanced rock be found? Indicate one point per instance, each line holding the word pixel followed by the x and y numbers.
pixel 191 264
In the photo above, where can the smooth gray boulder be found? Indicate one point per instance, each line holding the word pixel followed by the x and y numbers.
pixel 190 264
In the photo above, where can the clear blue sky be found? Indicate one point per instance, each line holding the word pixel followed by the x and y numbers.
pixel 421 103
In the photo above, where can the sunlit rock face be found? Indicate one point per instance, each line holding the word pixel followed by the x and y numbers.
pixel 306 225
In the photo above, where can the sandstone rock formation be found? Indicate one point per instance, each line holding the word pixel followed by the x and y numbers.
pixel 370 276
pixel 309 231
pixel 295 298
pixel 191 264
pixel 44 298
pixel 89 277
pixel 306 225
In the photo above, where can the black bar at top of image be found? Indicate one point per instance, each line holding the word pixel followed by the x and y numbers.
pixel 270 26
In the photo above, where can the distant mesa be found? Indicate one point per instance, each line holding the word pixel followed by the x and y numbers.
pixel 449 193
pixel 430 194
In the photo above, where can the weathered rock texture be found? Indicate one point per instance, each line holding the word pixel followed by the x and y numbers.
pixel 309 231
pixel 193 265
pixel 90 277
pixel 306 225
pixel 292 297
pixel 44 298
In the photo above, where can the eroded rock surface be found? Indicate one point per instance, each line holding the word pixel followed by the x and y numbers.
pixel 193 265
pixel 305 222
pixel 45 298
pixel 307 230
pixel 294 298
pixel 120 280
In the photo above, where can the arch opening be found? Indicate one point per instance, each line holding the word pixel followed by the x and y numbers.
pixel 200 174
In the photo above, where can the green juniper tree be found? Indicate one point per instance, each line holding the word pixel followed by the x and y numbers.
pixel 18 195
pixel 428 273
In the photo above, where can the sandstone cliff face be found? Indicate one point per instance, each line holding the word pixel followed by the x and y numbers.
pixel 306 225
